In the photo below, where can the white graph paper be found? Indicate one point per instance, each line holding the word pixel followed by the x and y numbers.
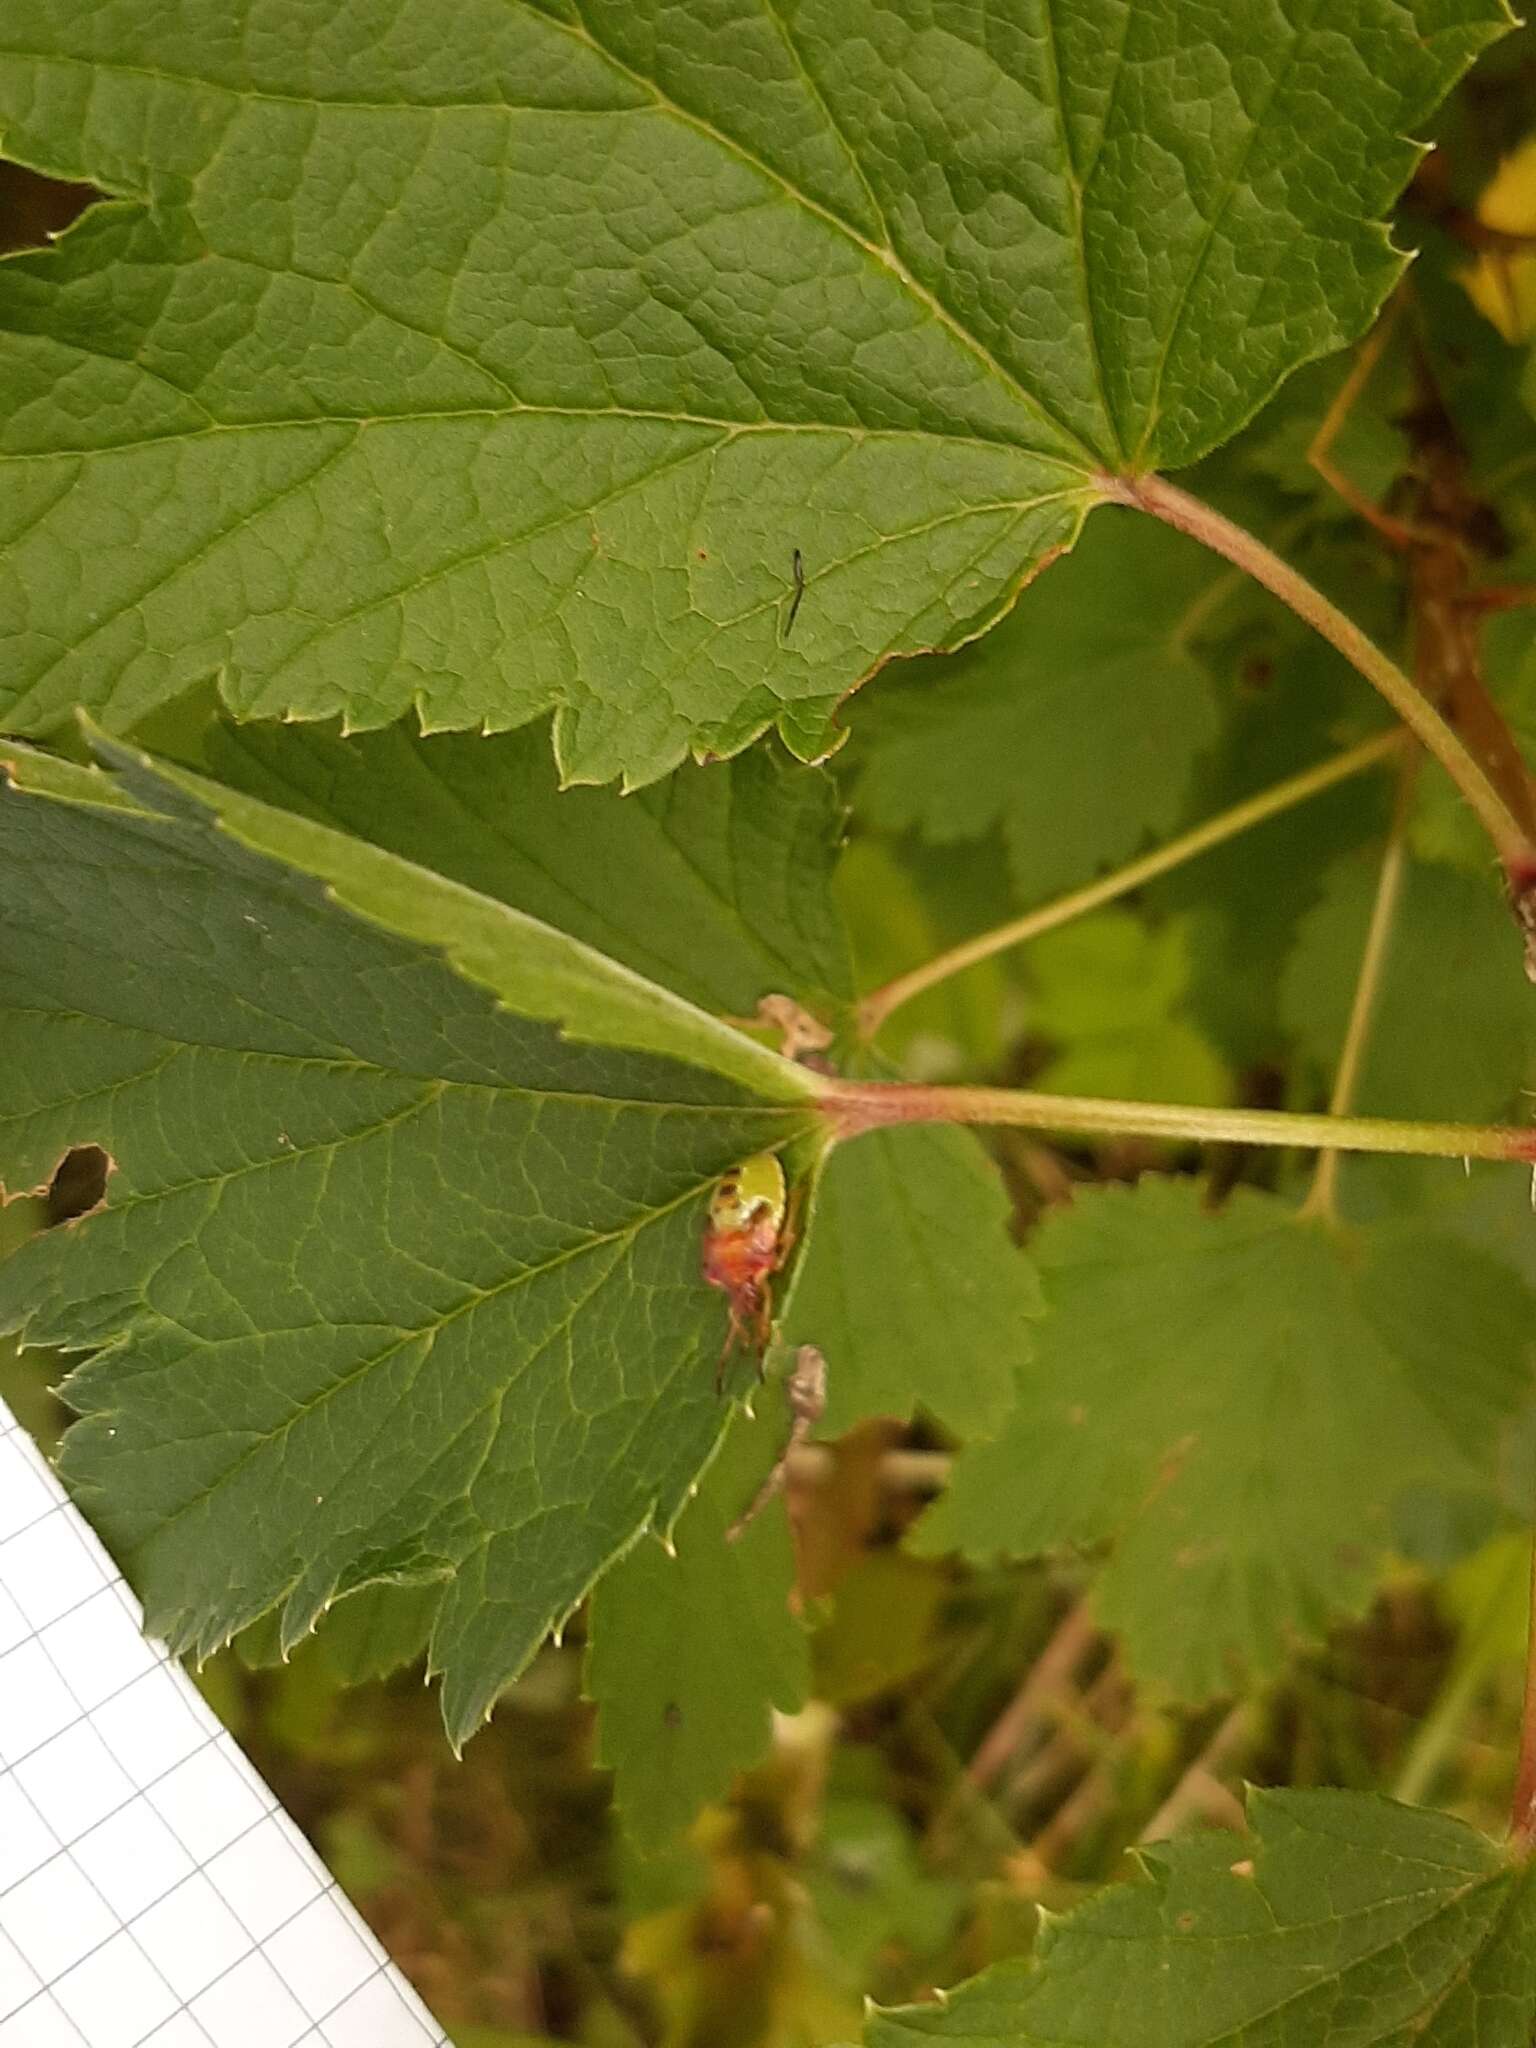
pixel 152 1892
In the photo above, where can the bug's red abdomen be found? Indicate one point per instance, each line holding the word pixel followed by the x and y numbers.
pixel 736 1260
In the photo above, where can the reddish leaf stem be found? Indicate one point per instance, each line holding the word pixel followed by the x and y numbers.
pixel 852 1107
pixel 1178 509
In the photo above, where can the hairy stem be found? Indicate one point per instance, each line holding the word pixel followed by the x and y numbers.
pixel 1254 810
pixel 856 1106
pixel 1322 1199
pixel 1177 508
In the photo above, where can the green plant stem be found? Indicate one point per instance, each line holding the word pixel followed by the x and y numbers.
pixel 1322 1199
pixel 1480 1652
pixel 853 1107
pixel 1438 1734
pixel 1178 509
pixel 1254 810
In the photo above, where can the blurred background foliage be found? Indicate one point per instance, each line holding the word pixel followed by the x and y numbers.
pixel 975 1746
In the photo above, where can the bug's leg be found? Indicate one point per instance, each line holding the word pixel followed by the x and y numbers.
pixel 789 1229
pixel 733 1333
pixel 789 1233
pixel 765 1324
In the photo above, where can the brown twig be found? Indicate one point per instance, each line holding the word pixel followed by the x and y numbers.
pixel 1501 812
pixel 1085 1723
pixel 899 1471
pixel 1029 1709
pixel 1039 1859
pixel 1091 1797
pixel 1199 1789
pixel 1345 399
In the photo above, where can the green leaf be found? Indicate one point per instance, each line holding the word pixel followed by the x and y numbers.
pixel 714 883
pixel 1233 1402
pixel 1344 1921
pixel 529 966
pixel 910 1286
pixel 1451 1028
pixel 873 1890
pixel 1244 901
pixel 690 1648
pixel 1111 992
pixel 1369 446
pixel 1076 725
pixel 501 358
pixel 367 1635
pixel 902 909
pixel 879 1632
pixel 376 1631
pixel 395 1281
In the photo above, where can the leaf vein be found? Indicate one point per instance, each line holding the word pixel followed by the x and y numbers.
pixel 888 259
pixel 1213 225
pixel 430 1332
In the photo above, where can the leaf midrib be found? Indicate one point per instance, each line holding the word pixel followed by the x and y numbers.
pixel 729 905
pixel 1077 200
pixel 584 1097
pixel 37 684
pixel 726 430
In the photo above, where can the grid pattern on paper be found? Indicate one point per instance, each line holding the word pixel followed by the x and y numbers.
pixel 152 1892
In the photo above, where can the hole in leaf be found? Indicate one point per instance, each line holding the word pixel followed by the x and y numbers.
pixel 78 1184
pixel 33 209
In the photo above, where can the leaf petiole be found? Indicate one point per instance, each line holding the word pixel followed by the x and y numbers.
pixel 1322 1198
pixel 1202 522
pixel 853 1107
pixel 1253 810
